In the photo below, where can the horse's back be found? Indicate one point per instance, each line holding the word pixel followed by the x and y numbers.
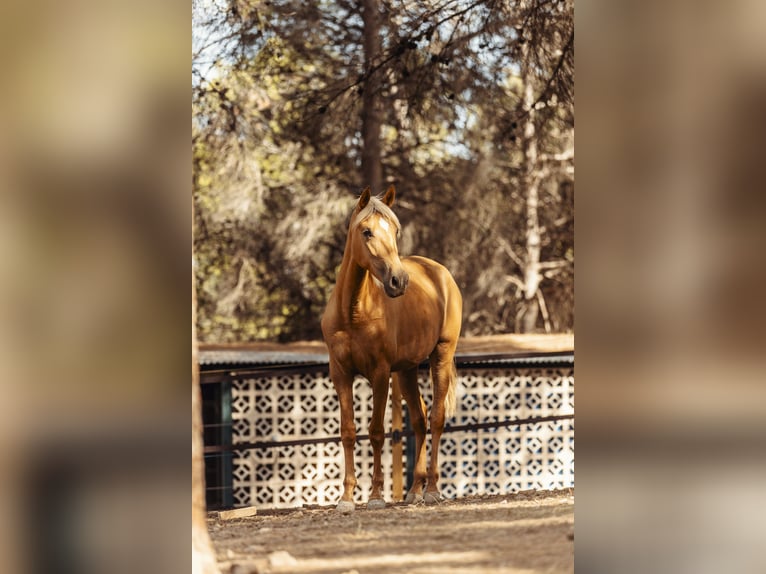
pixel 428 270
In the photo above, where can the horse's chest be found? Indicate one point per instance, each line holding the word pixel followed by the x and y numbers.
pixel 362 347
pixel 371 340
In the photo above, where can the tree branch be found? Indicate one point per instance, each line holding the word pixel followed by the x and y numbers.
pixel 554 73
pixel 506 247
pixel 515 281
pixel 553 264
pixel 544 310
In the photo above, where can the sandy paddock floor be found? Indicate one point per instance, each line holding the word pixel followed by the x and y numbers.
pixel 525 532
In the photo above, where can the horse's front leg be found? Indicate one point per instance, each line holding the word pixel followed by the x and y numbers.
pixel 380 384
pixel 344 387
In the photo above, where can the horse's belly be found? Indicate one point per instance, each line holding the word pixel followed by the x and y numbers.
pixel 370 351
pixel 407 364
pixel 410 353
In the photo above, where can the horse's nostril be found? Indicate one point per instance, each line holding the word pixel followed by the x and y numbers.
pixel 394 281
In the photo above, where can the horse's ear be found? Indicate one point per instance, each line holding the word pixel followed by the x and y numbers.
pixel 364 199
pixel 388 199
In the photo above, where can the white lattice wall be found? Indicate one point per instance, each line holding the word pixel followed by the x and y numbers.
pixel 300 406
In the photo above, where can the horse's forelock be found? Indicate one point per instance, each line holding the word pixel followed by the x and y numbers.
pixel 375 205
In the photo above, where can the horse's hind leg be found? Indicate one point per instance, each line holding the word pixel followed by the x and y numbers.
pixel 443 379
pixel 408 383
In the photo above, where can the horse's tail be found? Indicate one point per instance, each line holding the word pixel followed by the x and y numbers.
pixel 450 402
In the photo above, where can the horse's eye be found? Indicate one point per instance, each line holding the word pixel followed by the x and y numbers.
pixel 367 233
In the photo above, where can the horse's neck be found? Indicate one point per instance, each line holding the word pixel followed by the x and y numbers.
pixel 352 280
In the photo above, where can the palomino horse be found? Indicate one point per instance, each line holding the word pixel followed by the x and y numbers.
pixel 386 315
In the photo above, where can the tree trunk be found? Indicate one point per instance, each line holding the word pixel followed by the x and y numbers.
pixel 203 557
pixel 530 307
pixel 371 111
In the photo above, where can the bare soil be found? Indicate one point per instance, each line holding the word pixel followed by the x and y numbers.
pixel 518 533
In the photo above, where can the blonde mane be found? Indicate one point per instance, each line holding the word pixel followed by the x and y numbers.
pixel 375 205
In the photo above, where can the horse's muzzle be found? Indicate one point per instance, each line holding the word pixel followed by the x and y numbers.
pixel 397 284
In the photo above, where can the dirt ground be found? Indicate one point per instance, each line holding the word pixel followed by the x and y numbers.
pixel 530 532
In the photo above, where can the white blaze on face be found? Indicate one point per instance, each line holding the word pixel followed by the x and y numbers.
pixel 384 238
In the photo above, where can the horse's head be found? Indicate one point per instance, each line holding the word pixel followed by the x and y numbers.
pixel 373 236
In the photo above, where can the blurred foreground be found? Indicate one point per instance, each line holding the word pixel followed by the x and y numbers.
pixel 671 400
pixel 95 219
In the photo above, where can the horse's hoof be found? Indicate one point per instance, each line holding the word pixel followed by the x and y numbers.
pixel 376 504
pixel 432 498
pixel 413 498
pixel 345 506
